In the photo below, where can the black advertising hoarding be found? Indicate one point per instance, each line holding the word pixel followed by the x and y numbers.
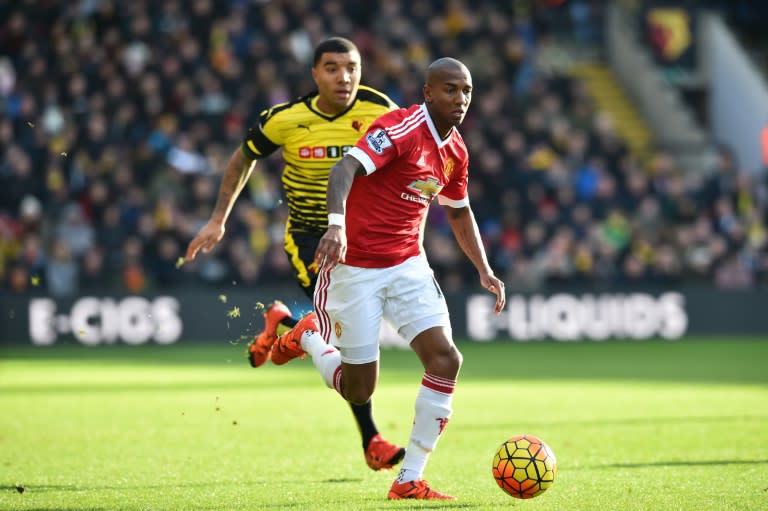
pixel 573 317
pixel 195 315
pixel 199 316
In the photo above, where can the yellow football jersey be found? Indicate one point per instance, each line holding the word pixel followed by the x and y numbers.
pixel 312 143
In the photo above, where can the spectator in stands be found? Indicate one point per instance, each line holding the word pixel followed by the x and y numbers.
pixel 125 120
pixel 61 271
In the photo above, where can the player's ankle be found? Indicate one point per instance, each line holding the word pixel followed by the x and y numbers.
pixel 407 475
pixel 311 340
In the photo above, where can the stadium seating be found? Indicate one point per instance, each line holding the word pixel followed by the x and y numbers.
pixel 116 120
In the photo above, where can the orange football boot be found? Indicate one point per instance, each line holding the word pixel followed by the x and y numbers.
pixel 418 489
pixel 382 455
pixel 261 346
pixel 288 346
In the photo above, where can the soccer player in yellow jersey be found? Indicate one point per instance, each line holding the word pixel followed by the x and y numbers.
pixel 315 131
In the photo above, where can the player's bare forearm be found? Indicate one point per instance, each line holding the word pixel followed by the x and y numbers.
pixel 332 247
pixel 340 182
pixel 464 227
pixel 236 175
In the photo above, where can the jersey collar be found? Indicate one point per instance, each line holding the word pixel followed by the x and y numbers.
pixel 312 105
pixel 438 140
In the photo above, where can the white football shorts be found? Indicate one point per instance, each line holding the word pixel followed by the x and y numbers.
pixel 351 302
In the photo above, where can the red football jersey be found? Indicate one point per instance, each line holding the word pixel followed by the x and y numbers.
pixel 407 165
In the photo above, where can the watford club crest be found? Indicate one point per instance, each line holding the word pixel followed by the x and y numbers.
pixel 669 32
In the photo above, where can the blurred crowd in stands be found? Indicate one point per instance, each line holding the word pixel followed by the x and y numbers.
pixel 117 119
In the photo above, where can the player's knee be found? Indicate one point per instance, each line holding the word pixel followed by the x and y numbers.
pixel 459 358
pixel 446 363
pixel 455 360
pixel 358 390
pixel 358 394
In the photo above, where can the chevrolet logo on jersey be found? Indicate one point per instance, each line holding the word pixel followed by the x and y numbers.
pixel 426 189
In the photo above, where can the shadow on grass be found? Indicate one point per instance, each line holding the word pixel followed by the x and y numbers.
pixel 277 504
pixel 681 464
pixel 688 360
pixel 59 508
pixel 410 504
pixel 91 387
pixel 625 422
pixel 44 488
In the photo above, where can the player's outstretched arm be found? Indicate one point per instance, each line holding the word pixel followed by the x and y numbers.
pixel 332 248
pixel 236 175
pixel 464 227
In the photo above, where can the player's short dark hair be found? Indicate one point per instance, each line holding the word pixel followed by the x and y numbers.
pixel 334 45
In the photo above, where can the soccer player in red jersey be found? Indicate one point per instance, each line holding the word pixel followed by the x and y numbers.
pixel 313 131
pixel 373 265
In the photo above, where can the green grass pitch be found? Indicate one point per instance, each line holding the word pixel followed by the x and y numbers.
pixel 654 425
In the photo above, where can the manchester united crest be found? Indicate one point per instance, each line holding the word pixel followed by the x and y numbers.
pixel 337 329
pixel 448 169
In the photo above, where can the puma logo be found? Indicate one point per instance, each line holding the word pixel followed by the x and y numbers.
pixel 304 126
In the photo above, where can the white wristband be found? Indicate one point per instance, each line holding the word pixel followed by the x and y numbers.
pixel 336 219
